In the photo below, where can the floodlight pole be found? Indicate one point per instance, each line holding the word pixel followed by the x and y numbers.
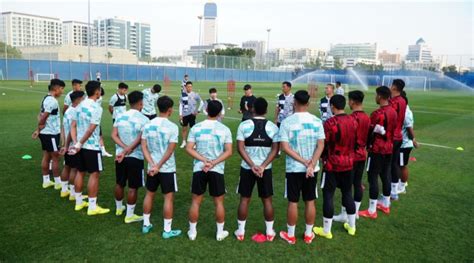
pixel 267 59
pixel 6 54
pixel 89 36
pixel 199 41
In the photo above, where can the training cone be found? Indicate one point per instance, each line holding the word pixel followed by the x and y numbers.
pixel 26 157
pixel 259 238
pixel 413 159
pixel 460 148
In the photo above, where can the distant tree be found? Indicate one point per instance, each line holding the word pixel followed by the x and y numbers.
pixel 12 52
pixel 338 63
pixel 449 69
pixel 314 63
pixel 232 57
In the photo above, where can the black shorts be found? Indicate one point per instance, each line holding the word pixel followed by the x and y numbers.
pixel 150 117
pixel 332 180
pixel 71 160
pixel 167 181
pixel 49 143
pixel 201 180
pixel 188 120
pixel 378 163
pixel 404 156
pixel 247 182
pixel 89 161
pixel 131 170
pixel 297 183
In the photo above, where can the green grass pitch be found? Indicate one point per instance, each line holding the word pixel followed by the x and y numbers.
pixel 432 222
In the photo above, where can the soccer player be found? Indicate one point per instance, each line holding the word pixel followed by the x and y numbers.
pixel 356 98
pixel 76 86
pixel 188 110
pixel 150 97
pixel 399 105
pixel 98 76
pixel 70 161
pixel 102 145
pixel 285 103
pixel 49 132
pixel 85 135
pixel 183 83
pixel 246 103
pixel 339 88
pixel 212 96
pixel 302 139
pixel 340 132
pixel 324 107
pixel 380 147
pixel 408 143
pixel 127 134
pixel 257 143
pixel 118 101
pixel 159 141
pixel 210 144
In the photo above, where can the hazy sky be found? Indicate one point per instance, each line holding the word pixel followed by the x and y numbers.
pixel 445 25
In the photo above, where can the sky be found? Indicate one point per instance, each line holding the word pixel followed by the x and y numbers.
pixel 447 26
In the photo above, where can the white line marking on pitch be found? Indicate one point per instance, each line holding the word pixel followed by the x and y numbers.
pixel 436 145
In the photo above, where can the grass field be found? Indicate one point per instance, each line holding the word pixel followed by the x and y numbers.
pixel 432 222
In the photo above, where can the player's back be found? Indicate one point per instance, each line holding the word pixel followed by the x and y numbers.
pixel 210 137
pixel 363 126
pixel 399 105
pixel 87 113
pixel 340 133
pixel 129 125
pixel 53 122
pixel 387 117
pixel 67 120
pixel 302 131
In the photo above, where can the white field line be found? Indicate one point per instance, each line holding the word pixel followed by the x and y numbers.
pixel 437 146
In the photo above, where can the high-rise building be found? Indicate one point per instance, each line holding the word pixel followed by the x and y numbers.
pixel 121 33
pixel 210 24
pixel 19 29
pixel 354 50
pixel 420 52
pixel 389 58
pixel 300 55
pixel 75 33
pixel 259 47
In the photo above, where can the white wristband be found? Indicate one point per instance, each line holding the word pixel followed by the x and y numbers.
pixel 78 145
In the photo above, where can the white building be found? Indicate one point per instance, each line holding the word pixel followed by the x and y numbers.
pixel 210 24
pixel 124 34
pixel 259 47
pixel 301 55
pixel 75 33
pixel 19 29
pixel 354 51
pixel 352 62
pixel 420 52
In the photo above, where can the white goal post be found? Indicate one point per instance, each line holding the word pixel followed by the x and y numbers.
pixel 43 77
pixel 411 82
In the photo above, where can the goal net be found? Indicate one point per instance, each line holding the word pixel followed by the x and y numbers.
pixel 411 82
pixel 43 77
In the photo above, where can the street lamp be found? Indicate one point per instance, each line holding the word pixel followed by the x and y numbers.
pixel 199 41
pixel 267 59
pixel 89 36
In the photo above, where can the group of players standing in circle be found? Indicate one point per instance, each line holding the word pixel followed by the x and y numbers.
pixel 344 143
